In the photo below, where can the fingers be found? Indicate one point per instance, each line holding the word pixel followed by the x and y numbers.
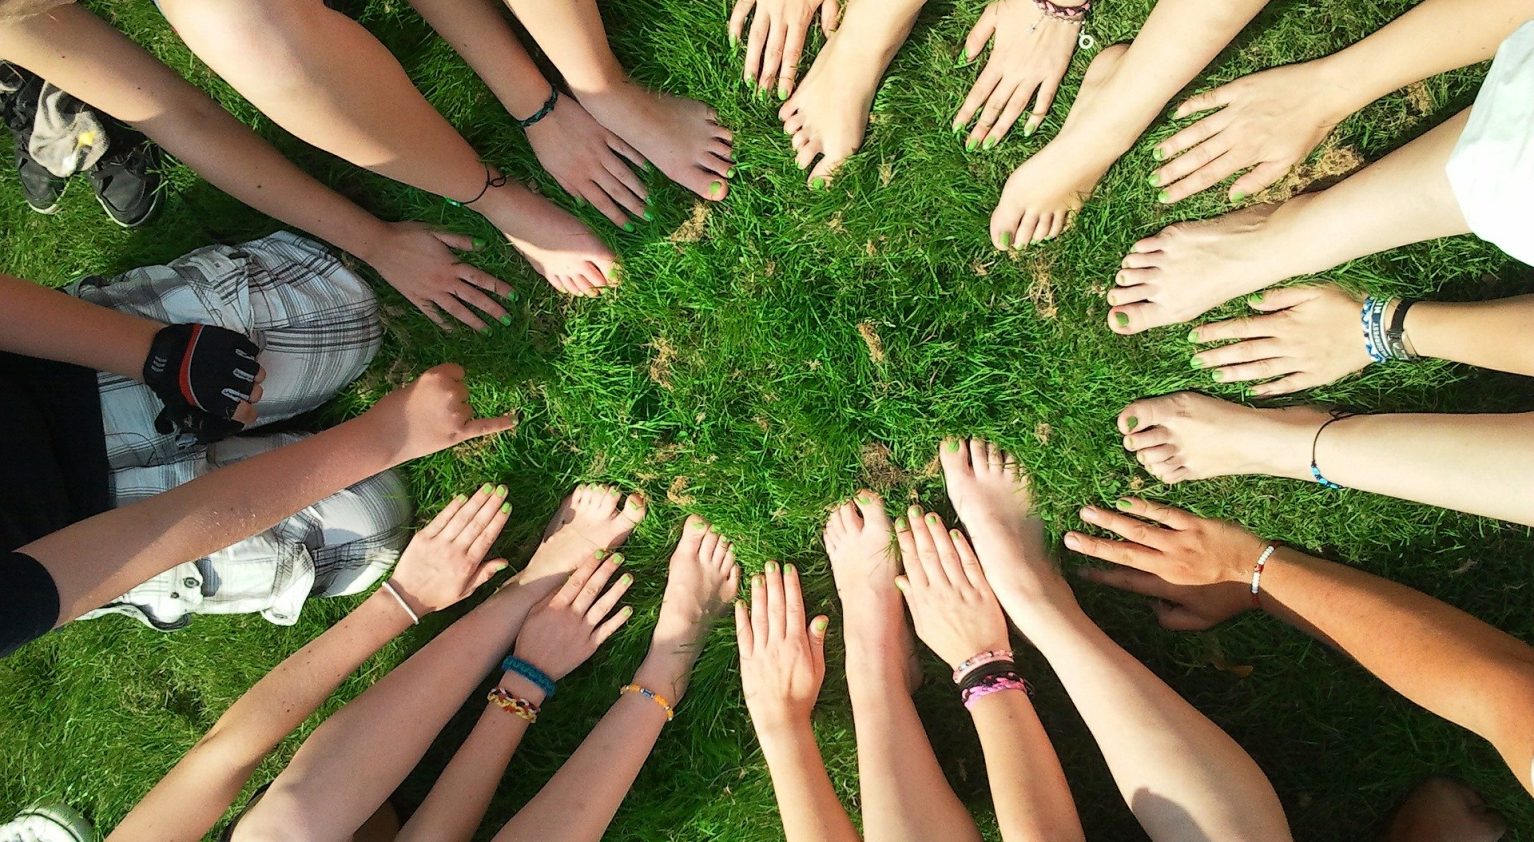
pixel 772 58
pixel 1168 516
pixel 817 631
pixel 487 572
pixel 774 598
pixel 978 94
pixel 604 631
pixel 793 50
pixel 756 43
pixel 1268 301
pixel 609 599
pixel 980 35
pixel 1265 368
pixel 1245 351
pixel 482 540
pixel 428 309
pixel 968 561
pixel 244 413
pixel 1260 178
pixel 1217 98
pixel 1218 166
pixel 485 281
pixel 1014 109
pixel 461 242
pixel 586 594
pixel 1190 136
pixel 830 16
pixel 1249 327
pixel 465 513
pixel 922 528
pixel 1041 106
pixel 759 607
pixel 738 19
pixel 450 511
pixel 477 427
pixel 745 637
pixel 1287 384
pixel 793 598
pixel 1126 527
pixel 450 304
pixel 1127 555
pixel 473 295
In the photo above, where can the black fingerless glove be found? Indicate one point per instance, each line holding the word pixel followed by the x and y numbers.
pixel 202 374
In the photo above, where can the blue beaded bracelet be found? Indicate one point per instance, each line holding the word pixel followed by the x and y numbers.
pixel 531 673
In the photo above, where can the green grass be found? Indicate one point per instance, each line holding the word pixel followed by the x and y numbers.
pixel 729 378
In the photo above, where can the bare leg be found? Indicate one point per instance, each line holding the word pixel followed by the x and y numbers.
pixel 904 793
pixel 320 75
pixel 1179 38
pixel 680 136
pixel 578 803
pixel 1445 810
pixel 1471 463
pixel 1192 267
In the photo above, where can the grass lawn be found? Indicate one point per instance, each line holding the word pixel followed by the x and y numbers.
pixel 766 358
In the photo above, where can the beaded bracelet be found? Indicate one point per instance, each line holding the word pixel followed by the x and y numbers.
pixel 513 704
pixel 986 657
pixel 1068 14
pixel 653 696
pixel 537 676
pixel 994 684
pixel 1315 469
pixel 1372 317
pixel 1262 563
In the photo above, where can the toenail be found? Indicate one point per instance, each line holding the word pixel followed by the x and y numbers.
pixel 1029 129
pixel 729 173
pixel 478 242
pixel 969 145
pixel 952 445
pixel 1134 423
pixel 1163 197
pixel 862 499
pixel 1122 318
pixel 649 215
pixel 715 187
pixel 629 227
pixel 1123 505
pixel 817 183
pixel 1006 239
pixel 506 321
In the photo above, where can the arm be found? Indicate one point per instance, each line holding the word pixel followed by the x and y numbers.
pixel 558 637
pixel 1433 652
pixel 96 559
pixel 1488 334
pixel 39 322
pixel 476 31
pixel 782 665
pixel 83 55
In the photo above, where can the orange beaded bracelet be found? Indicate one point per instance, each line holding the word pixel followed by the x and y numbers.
pixel 653 696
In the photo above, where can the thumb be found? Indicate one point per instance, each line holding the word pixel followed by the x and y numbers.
pixel 487 571
pixel 477 427
pixel 818 627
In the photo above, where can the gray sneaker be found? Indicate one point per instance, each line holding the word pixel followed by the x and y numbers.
pixel 48 823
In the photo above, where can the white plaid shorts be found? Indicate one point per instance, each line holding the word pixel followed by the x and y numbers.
pixel 316 323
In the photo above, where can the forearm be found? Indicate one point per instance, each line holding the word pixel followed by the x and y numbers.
pixel 458 800
pixel 1033 801
pixel 1470 463
pixel 101 557
pixel 83 55
pixel 39 322
pixel 1431 655
pixel 1154 741
pixel 189 801
pixel 352 762
pixel 477 32
pixel 806 799
pixel 1433 37
pixel 1488 334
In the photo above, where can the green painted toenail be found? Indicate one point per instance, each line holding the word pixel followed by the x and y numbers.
pixel 1134 423
pixel 1123 505
pixel 715 187
pixel 1029 129
pixel 952 445
pixel 649 215
pixel 1237 196
pixel 729 173
pixel 990 143
pixel 485 329
pixel 506 321
pixel 1163 197
pixel 817 183
pixel 969 145
pixel 1157 154
pixel 629 227
pixel 1122 318
pixel 1006 239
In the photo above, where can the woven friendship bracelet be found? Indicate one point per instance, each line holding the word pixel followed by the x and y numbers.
pixel 537 676
pixel 653 696
pixel 1315 470
pixel 546 110
pixel 994 684
pixel 513 705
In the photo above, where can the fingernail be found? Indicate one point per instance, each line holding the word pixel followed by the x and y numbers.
pixel 460 498
pixel 715 187
pixel 599 554
pixel 499 567
pixel 478 242
pixel 1029 129
pixel 900 585
pixel 817 183
pixel 955 534
pixel 1193 336
pixel 1196 363
pixel 1218 375
pixel 862 499
pixel 625 579
pixel 990 143
pixel 1134 423
pixel 1072 541
pixel 757 580
pixel 790 566
pixel 649 215
pixel 617 559
pixel 505 508
pixel 957 130
pixel 629 227
pixel 900 524
pixel 770 567
pixel 626 611
pixel 1157 154
pixel 1122 505
pixel 1237 196
pixel 969 145
pixel 821 623
pixel 963 60
pixel 506 321
pixel 782 94
pixel 485 489
pixel 932 518
pixel 1155 179
pixel 1006 239
pixel 1122 318
pixel 1254 299
pixel 485 330
pixel 1163 197
pixel 729 173
pixel 500 491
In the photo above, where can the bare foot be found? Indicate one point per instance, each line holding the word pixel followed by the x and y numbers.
pixel 1445 810
pixel 563 250
pixel 860 542
pixel 828 114
pixel 703 579
pixel 1192 267
pixel 594 518
pixel 990 494
pixel 680 136
pixel 1041 194
pixel 1189 436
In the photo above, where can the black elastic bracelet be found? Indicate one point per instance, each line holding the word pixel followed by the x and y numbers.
pixel 1315 470
pixel 490 181
pixel 979 674
pixel 1395 335
pixel 546 110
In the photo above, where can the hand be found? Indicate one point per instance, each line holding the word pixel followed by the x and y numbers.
pixel 1267 121
pixel 418 261
pixel 782 661
pixel 207 378
pixel 588 162
pixel 567 628
pixel 430 414
pixel 445 561
pixel 1028 59
pixel 1310 337
pixel 776 42
pixel 951 603
pixel 1178 607
pixel 1183 550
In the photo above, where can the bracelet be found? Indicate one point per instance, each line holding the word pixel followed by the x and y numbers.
pixel 546 110
pixel 490 181
pixel 537 676
pixel 989 656
pixel 415 619
pixel 1372 318
pixel 1262 562
pixel 1397 345
pixel 1074 14
pixel 1315 470
pixel 986 672
pixel 513 705
pixel 997 684
pixel 653 696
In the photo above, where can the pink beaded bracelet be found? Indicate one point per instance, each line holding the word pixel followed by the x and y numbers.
pixel 980 660
pixel 997 685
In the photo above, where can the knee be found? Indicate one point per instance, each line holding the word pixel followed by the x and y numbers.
pixel 379 512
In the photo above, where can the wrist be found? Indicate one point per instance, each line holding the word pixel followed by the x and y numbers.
pixel 1340 84
pixel 520 687
pixel 412 604
pixel 782 723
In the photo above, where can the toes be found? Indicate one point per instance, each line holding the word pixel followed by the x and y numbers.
pixel 634 508
pixel 1157 455
pixel 1121 295
pixel 1147 438
pixel 1140 260
pixel 693 532
pixel 977 454
pixel 1134 277
pixel 1149 244
pixel 954 457
pixel 708 543
pixel 1145 414
pixel 995 459
pixel 870 506
pixel 1137 317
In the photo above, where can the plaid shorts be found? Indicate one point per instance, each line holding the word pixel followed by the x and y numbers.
pixel 316 323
